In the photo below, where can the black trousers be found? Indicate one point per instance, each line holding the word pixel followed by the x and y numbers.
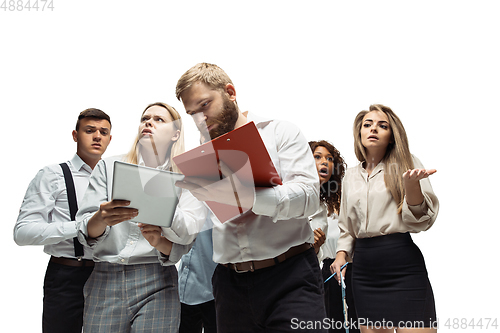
pixel 196 317
pixel 333 300
pixel 63 298
pixel 287 297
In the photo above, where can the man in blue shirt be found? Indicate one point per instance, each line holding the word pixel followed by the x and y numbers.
pixel 195 285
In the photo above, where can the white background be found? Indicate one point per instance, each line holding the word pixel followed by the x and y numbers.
pixel 315 63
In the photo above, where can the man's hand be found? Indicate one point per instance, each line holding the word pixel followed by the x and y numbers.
pixel 226 191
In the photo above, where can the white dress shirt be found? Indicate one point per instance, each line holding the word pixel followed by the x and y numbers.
pixel 279 217
pixel 367 208
pixel 44 217
pixel 330 226
pixel 123 243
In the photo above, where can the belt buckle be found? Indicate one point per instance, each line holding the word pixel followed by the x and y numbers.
pixel 244 271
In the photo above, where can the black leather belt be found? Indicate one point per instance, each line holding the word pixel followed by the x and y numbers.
pixel 250 266
pixel 73 262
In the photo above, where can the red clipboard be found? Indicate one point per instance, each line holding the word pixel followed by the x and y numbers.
pixel 241 150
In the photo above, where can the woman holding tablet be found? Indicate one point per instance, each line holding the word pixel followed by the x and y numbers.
pixel 134 283
pixel 385 198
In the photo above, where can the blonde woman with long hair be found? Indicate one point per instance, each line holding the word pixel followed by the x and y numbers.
pixel 134 283
pixel 175 148
pixel 384 199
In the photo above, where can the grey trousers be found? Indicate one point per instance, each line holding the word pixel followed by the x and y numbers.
pixel 131 298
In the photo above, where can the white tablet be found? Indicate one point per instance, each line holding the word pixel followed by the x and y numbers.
pixel 151 191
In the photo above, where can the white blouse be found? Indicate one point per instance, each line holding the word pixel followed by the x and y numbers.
pixel 330 226
pixel 368 209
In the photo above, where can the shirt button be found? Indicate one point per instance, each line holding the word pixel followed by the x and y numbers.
pixel 131 242
pixel 123 260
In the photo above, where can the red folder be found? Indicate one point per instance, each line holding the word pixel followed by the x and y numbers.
pixel 242 151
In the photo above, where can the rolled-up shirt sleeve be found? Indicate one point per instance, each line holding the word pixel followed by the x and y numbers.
pixel 421 217
pixel 188 220
pixel 178 250
pixel 298 197
pixel 320 220
pixel 34 224
pixel 347 236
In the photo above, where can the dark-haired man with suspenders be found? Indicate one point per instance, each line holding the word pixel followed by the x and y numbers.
pixel 47 218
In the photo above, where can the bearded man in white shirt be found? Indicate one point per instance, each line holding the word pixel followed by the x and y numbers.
pixel 46 217
pixel 268 277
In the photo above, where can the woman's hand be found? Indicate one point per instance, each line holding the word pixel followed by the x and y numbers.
pixel 411 181
pixel 339 261
pixel 153 235
pixel 109 214
pixel 319 239
pixel 412 176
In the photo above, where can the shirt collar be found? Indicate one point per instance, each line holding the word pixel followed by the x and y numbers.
pixel 164 166
pixel 79 164
pixel 379 168
pixel 258 120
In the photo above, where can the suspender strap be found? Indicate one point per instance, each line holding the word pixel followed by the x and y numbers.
pixel 73 205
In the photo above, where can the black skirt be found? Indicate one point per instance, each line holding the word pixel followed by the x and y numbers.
pixel 390 283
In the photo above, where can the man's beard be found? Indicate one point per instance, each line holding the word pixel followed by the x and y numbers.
pixel 226 120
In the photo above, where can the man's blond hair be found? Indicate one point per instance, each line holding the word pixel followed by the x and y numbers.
pixel 209 74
